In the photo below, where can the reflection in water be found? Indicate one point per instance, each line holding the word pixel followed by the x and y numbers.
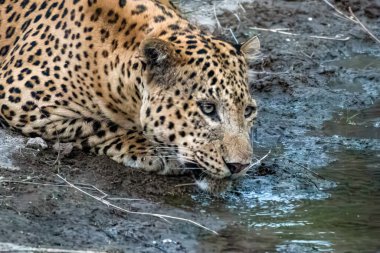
pixel 359 62
pixel 305 246
pixel 348 220
pixel 364 124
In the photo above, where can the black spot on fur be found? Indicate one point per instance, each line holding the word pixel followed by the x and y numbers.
pixel 122 3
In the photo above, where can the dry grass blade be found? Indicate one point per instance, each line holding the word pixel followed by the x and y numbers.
pixel 258 161
pixel 353 18
pixel 233 36
pixel 364 28
pixel 337 37
pixel 285 32
pixel 7 181
pixel 104 201
pixel 308 170
pixel 336 9
pixel 216 18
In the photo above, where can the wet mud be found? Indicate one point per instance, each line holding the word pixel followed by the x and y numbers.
pixel 318 190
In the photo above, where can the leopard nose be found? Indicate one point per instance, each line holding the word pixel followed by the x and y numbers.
pixel 236 168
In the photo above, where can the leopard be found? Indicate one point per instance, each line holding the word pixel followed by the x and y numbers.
pixel 133 80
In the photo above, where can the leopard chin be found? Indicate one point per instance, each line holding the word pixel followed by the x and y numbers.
pixel 214 186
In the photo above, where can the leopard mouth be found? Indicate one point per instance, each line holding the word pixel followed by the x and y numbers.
pixel 196 170
pixel 206 183
pixel 199 172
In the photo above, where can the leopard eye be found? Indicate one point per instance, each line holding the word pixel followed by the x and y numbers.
pixel 208 108
pixel 249 111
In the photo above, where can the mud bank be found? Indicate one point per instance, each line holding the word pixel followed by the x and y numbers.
pixel 319 113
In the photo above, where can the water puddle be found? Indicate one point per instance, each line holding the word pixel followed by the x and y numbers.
pixel 359 62
pixel 343 219
pixel 358 74
pixel 362 124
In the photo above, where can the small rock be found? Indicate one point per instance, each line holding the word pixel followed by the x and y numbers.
pixel 167 241
pixel 36 143
pixel 63 148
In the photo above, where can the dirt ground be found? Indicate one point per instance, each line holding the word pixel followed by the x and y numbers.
pixel 299 81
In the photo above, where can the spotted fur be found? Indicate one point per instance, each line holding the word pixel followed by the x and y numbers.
pixel 130 79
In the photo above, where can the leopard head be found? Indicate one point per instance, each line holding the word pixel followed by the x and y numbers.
pixel 197 103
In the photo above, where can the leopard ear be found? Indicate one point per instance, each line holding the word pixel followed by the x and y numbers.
pixel 251 47
pixel 161 61
pixel 157 53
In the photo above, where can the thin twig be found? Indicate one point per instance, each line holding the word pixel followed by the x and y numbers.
pixel 336 9
pixel 337 37
pixel 307 169
pixel 285 32
pixel 125 199
pixel 83 186
pixel 31 183
pixel 364 28
pixel 216 17
pixel 239 20
pixel 268 72
pixel 258 161
pixel 233 36
pixel 353 19
pixel 241 6
pixel 109 204
pixel 185 184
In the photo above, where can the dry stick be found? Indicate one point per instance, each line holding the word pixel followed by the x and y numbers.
pixel 233 36
pixel 109 204
pixel 229 29
pixel 241 6
pixel 353 19
pixel 83 186
pixel 330 38
pixel 336 9
pixel 258 161
pixel 31 183
pixel 216 18
pixel 364 28
pixel 269 72
pixel 307 169
pixel 283 31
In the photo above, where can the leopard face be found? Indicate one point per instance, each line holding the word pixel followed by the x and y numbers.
pixel 197 103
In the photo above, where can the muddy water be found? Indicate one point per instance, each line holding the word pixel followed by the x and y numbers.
pixel 348 220
pixel 355 124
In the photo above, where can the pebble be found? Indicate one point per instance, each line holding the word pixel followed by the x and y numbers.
pixel 36 143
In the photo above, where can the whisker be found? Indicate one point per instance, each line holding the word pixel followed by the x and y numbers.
pixel 258 161
pixel 185 159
